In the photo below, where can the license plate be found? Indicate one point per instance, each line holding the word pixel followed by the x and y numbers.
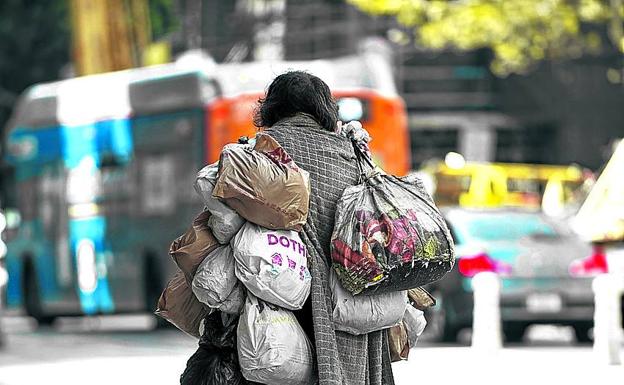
pixel 543 303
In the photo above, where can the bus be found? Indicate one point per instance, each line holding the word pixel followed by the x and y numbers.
pixel 103 168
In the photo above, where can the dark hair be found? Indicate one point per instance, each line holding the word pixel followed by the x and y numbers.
pixel 293 92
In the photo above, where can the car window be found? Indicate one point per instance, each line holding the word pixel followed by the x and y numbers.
pixel 509 227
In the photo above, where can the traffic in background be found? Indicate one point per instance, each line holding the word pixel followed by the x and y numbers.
pixel 546 230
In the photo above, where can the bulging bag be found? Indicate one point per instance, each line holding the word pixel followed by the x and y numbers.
pixel 224 221
pixel 234 302
pixel 388 234
pixel 398 342
pixel 365 313
pixel 415 323
pixel 264 185
pixel 273 265
pixel 178 305
pixel 189 250
pixel 272 346
pixel 215 280
pixel 404 336
pixel 216 361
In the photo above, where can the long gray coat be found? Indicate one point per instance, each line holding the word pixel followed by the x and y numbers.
pixel 342 358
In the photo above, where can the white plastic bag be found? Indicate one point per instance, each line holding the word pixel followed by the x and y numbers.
pixel 215 280
pixel 234 303
pixel 272 264
pixel 363 314
pixel 224 222
pixel 272 346
pixel 415 322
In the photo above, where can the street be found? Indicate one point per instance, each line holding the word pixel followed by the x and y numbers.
pixel 88 351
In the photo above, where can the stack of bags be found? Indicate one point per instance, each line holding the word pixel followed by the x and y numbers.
pixel 243 258
pixel 243 270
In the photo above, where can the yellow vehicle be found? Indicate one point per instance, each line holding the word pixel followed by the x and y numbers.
pixel 480 184
pixel 601 217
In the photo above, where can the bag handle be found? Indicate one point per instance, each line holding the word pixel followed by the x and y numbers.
pixel 363 159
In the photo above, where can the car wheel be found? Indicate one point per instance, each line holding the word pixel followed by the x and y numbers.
pixel 514 332
pixel 581 331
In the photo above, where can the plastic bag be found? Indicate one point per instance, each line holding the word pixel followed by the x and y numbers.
pixel 272 264
pixel 272 346
pixel 189 250
pixel 420 298
pixel 398 343
pixel 214 280
pixel 389 236
pixel 263 184
pixel 224 221
pixel 365 313
pixel 216 361
pixel 415 323
pixel 234 302
pixel 178 305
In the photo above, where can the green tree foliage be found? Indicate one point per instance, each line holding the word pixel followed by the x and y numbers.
pixel 162 18
pixel 519 32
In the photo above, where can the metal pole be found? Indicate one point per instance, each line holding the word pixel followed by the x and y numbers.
pixel 486 323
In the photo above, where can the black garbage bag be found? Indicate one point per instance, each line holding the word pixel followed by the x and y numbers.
pixel 216 361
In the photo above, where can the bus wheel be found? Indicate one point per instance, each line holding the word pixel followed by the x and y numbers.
pixel 31 295
pixel 153 285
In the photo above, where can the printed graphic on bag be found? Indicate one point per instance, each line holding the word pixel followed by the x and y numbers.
pixel 272 264
pixel 280 261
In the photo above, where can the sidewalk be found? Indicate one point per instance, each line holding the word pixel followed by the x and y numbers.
pixel 532 365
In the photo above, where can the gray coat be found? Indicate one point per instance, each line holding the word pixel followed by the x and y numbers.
pixel 342 358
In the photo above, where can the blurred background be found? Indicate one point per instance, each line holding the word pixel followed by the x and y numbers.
pixel 511 112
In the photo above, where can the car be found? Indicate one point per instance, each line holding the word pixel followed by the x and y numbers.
pixel 546 271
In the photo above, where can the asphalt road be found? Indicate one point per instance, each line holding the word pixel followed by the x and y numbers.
pixel 89 352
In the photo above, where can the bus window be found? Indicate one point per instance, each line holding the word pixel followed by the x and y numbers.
pixel 158 187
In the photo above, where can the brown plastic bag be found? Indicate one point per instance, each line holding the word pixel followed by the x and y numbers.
pixel 398 337
pixel 264 185
pixel 420 298
pixel 189 250
pixel 178 305
pixel 398 342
